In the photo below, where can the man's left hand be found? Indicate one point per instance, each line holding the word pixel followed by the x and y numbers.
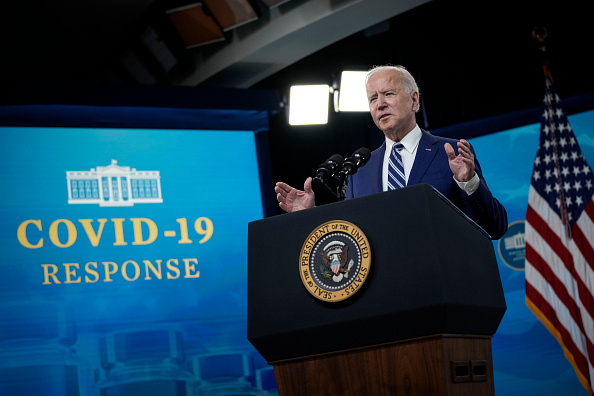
pixel 462 165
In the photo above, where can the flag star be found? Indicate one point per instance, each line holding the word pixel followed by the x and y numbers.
pixel 548 99
pixel 559 112
pixel 566 186
pixel 547 144
pixel 536 176
pixel 562 127
pixel 548 173
pixel 574 155
pixel 548 189
pixel 547 159
pixel 588 184
pixel 565 171
pixel 586 169
pixel 572 140
pixel 546 114
pixel 546 129
pixel 579 200
pixel 564 156
pixel 576 170
pixel 577 185
pixel 537 161
pixel 568 201
pixel 557 188
pixel 562 142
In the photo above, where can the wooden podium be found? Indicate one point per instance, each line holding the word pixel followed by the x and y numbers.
pixel 422 322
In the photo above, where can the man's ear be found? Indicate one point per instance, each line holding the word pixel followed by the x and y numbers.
pixel 415 99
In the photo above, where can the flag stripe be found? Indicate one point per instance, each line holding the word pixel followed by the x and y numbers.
pixel 553 280
pixel 584 272
pixel 560 259
pixel 580 232
pixel 551 246
pixel 548 282
pixel 534 300
pixel 554 291
pixel 589 210
pixel 556 318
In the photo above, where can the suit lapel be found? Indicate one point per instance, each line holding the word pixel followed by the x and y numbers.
pixel 377 163
pixel 426 151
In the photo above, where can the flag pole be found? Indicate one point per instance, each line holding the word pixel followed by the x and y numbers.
pixel 540 39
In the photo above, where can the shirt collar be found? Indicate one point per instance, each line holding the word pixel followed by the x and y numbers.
pixel 410 141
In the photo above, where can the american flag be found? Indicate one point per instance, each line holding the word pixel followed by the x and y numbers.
pixel 560 239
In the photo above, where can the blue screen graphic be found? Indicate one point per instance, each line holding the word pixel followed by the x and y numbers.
pixel 124 264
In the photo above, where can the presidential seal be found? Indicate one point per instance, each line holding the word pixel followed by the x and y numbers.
pixel 335 261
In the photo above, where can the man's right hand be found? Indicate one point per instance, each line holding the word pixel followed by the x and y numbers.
pixel 291 200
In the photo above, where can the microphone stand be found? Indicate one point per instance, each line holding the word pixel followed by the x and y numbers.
pixel 342 186
pixel 319 183
pixel 338 169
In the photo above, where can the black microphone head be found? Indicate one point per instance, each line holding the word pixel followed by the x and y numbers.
pixel 352 164
pixel 329 168
pixel 335 160
pixel 363 154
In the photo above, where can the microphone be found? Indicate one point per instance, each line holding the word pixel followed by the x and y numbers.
pixel 352 164
pixel 329 168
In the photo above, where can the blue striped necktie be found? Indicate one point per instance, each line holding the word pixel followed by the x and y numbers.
pixel 395 168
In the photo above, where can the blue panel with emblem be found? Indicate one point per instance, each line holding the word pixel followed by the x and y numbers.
pixel 124 264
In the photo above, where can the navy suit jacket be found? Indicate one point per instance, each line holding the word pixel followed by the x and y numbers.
pixel 431 166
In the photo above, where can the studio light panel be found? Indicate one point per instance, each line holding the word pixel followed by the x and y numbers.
pixel 308 104
pixel 352 94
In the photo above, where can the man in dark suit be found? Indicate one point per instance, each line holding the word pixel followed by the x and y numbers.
pixel 447 164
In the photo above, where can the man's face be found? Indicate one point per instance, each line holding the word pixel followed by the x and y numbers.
pixel 391 107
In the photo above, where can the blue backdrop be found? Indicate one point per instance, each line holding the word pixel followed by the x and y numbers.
pixel 150 298
pixel 127 299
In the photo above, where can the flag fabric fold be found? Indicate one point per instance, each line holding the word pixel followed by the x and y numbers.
pixel 560 239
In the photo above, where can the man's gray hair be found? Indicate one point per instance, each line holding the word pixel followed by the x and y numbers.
pixel 407 79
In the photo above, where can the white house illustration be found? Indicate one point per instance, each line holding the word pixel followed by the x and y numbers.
pixel 515 241
pixel 114 185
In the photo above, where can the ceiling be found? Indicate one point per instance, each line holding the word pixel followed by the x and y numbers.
pixel 134 41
